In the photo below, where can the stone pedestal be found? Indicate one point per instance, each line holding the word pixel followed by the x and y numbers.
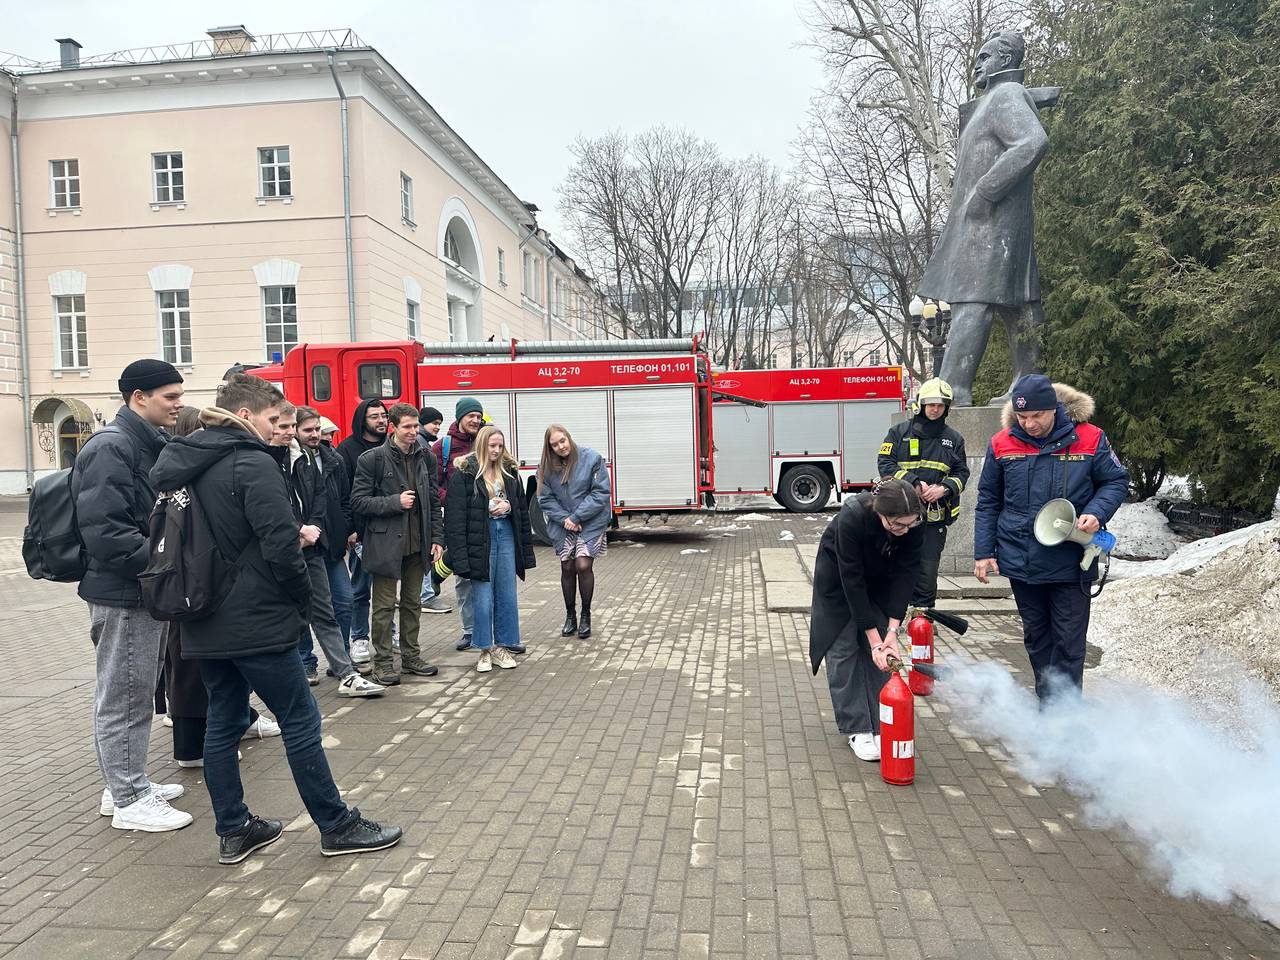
pixel 977 425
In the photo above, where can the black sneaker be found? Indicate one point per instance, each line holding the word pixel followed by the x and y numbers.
pixel 254 835
pixel 464 643
pixel 313 680
pixel 359 836
pixel 517 648
pixel 419 667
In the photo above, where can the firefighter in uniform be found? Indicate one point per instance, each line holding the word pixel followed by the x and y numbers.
pixel 928 454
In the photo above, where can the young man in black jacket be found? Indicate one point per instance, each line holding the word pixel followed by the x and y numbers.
pixel 337 534
pixel 309 498
pixel 368 430
pixel 250 643
pixel 113 509
pixel 394 494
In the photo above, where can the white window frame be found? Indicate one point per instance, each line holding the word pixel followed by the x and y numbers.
pixel 175 316
pixel 273 297
pixel 406 199
pixel 413 314
pixel 69 310
pixel 531 285
pixel 451 248
pixel 69 182
pixel 269 173
pixel 163 170
pixel 502 266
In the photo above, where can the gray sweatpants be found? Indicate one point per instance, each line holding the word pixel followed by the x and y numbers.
pixel 129 646
pixel 855 681
pixel 323 623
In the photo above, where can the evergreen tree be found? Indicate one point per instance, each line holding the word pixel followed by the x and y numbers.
pixel 1157 221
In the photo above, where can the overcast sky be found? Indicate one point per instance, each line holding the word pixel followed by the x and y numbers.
pixel 520 80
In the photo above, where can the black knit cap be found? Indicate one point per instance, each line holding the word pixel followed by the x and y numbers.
pixel 430 415
pixel 1034 392
pixel 147 374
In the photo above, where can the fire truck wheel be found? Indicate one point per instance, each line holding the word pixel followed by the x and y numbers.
pixel 537 522
pixel 804 489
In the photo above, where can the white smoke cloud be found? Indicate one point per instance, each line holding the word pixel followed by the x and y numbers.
pixel 1200 800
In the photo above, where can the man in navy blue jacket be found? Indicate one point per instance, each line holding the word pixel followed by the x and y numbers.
pixel 1047 450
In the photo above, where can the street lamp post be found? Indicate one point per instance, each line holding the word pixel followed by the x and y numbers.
pixel 933 319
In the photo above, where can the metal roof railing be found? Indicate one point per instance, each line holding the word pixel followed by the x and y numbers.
pixel 208 48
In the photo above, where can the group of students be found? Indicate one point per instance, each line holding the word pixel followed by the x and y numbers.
pixel 310 532
pixel 881 554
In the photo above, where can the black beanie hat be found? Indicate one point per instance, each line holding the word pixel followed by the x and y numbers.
pixel 1034 392
pixel 467 405
pixel 147 374
pixel 430 415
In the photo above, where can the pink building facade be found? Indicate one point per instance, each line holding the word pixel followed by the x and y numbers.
pixel 191 206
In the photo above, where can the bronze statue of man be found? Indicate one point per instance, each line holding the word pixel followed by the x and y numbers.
pixel 985 261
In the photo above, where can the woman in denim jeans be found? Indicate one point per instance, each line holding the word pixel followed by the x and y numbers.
pixel 490 544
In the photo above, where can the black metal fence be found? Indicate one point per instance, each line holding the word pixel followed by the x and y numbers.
pixel 1196 520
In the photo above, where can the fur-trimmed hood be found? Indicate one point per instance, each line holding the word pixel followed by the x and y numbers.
pixel 1078 403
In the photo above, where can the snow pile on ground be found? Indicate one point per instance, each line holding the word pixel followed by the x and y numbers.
pixel 1142 532
pixel 1207 619
pixel 1191 556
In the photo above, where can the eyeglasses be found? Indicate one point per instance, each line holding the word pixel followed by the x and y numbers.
pixel 896 525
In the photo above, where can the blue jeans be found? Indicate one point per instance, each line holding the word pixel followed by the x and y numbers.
pixel 278 679
pixel 361 594
pixel 428 588
pixel 494 600
pixel 340 594
pixel 466 606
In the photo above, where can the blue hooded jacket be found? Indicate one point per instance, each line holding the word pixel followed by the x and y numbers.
pixel 1022 473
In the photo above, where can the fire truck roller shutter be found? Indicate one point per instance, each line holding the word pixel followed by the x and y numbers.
pixel 584 413
pixel 811 429
pixel 742 447
pixel 865 424
pixel 655 460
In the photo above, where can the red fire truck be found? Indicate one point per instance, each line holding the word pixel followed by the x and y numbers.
pixel 652 408
pixel 816 430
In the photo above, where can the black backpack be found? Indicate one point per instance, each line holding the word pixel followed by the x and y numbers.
pixel 187 577
pixel 51 544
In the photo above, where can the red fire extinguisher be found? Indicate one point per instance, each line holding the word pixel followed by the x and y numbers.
pixel 920 632
pixel 897 729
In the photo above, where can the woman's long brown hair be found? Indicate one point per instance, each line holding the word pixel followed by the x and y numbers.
pixel 552 462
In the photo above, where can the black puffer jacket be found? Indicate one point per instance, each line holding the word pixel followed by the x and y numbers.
pixel 309 496
pixel 240 484
pixel 114 499
pixel 864 575
pixel 337 524
pixel 466 524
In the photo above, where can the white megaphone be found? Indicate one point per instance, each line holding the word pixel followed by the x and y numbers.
pixel 1056 523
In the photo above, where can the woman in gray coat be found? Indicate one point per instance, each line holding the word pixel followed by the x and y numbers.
pixel 575 494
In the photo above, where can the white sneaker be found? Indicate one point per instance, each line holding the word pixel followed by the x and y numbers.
pixel 357 686
pixel 195 764
pixel 262 728
pixel 865 746
pixel 151 814
pixel 503 658
pixel 485 663
pixel 170 791
pixel 361 650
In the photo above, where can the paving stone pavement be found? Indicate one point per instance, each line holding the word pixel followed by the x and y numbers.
pixel 673 787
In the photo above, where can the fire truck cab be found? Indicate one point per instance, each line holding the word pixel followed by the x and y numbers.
pixel 800 434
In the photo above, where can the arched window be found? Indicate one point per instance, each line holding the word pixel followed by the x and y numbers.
pixel 451 245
